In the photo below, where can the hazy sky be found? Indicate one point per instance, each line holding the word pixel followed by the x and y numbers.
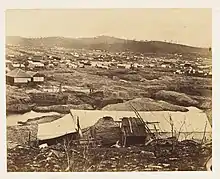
pixel 187 26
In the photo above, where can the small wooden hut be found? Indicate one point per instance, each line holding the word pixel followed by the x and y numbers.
pixel 17 77
pixel 133 131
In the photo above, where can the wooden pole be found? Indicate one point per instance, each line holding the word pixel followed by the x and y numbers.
pixel 204 132
pixel 29 138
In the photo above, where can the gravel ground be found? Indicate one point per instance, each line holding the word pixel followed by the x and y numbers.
pixel 158 156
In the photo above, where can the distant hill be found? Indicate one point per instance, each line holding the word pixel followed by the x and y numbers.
pixel 106 43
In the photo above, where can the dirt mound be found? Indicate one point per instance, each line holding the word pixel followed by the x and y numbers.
pixel 144 104
pixel 73 99
pixel 130 77
pixel 205 105
pixel 18 108
pixel 106 130
pixel 63 109
pixel 166 78
pixel 176 98
pixel 16 95
pixel 49 98
pixel 204 102
pixel 100 103
pixel 17 101
pixel 97 94
pixel 22 134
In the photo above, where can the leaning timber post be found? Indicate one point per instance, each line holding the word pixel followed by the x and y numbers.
pixel 37 143
pixel 125 141
pixel 29 138
pixel 204 133
pixel 78 127
pixel 124 137
pixel 172 130
pixel 95 134
pixel 80 135
pixel 60 89
pixel 155 128
pixel 171 124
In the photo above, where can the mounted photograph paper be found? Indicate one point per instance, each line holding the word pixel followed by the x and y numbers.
pixel 108 90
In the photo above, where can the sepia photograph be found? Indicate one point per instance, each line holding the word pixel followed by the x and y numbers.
pixel 108 90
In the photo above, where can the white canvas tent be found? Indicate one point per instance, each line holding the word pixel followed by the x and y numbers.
pixel 188 125
pixel 57 128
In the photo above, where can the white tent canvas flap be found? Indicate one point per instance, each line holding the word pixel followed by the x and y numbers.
pixel 57 128
pixel 193 121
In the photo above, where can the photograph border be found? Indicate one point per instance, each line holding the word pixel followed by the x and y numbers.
pixel 21 4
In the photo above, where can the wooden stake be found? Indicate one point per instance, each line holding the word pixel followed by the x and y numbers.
pixel 204 132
